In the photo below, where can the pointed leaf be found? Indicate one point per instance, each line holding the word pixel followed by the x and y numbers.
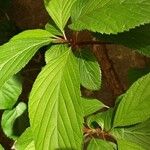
pixel 25 141
pixel 103 119
pixel 59 10
pixel 19 50
pixel 90 72
pixel 109 16
pixel 56 105
pixel 139 134
pixel 53 29
pixel 137 39
pixel 10 92
pixel 91 105
pixel 97 144
pixel 125 145
pixel 9 117
pixel 134 107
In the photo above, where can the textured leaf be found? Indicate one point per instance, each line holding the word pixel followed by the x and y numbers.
pixel 90 72
pixel 134 107
pixel 55 106
pixel 10 92
pixel 25 141
pixel 138 39
pixel 139 134
pixel 109 16
pixel 97 144
pixel 59 10
pixel 19 50
pixel 91 105
pixel 9 117
pixel 103 119
pixel 52 29
pixel 54 52
pixel 125 145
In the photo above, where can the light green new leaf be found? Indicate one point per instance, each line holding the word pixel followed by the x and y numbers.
pixel 10 92
pixel 59 10
pixel 1 147
pixel 109 16
pixel 54 52
pixel 91 105
pixel 25 141
pixel 137 39
pixel 55 106
pixel 126 145
pixel 139 134
pixel 53 29
pixel 134 106
pixel 9 117
pixel 97 144
pixel 19 50
pixel 103 119
pixel 90 72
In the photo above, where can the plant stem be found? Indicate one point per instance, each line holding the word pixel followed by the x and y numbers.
pixel 108 70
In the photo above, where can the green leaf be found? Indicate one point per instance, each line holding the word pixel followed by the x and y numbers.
pixel 139 134
pixel 97 144
pixel 1 147
pixel 9 117
pixel 52 29
pixel 10 92
pixel 56 105
pixel 25 141
pixel 59 10
pixel 103 119
pixel 136 73
pixel 90 72
pixel 54 52
pixel 134 106
pixel 91 105
pixel 19 50
pixel 137 39
pixel 126 145
pixel 109 16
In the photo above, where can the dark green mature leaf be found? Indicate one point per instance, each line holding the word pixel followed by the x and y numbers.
pixel 90 72
pixel 97 144
pixel 139 134
pixel 9 117
pixel 10 92
pixel 134 106
pixel 138 39
pixel 91 105
pixel 135 73
pixel 109 16
pixel 126 145
pixel 59 10
pixel 103 119
pixel 55 106
pixel 25 141
pixel 19 50
pixel 4 4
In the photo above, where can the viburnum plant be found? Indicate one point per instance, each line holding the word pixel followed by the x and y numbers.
pixel 56 106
